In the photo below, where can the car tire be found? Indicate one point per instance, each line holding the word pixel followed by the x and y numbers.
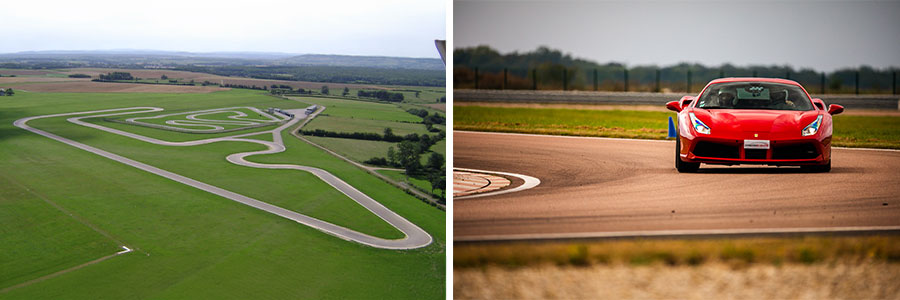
pixel 683 167
pixel 818 168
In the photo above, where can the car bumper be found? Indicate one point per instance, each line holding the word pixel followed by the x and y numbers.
pixel 782 152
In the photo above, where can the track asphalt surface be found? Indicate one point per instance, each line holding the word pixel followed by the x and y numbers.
pixel 415 236
pixel 600 187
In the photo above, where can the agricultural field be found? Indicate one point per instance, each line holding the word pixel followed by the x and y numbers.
pixel 345 124
pixel 362 116
pixel 356 150
pixel 68 212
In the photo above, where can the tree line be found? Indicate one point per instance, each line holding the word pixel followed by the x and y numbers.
pixel 116 76
pixel 335 74
pixel 381 95
pixel 546 68
pixel 388 136
pixel 428 119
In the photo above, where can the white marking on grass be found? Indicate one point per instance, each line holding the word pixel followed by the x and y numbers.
pixel 124 251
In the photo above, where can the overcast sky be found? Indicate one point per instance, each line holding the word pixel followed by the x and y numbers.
pixel 385 27
pixel 806 34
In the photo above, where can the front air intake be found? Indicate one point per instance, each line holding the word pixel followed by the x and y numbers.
pixel 795 151
pixel 716 150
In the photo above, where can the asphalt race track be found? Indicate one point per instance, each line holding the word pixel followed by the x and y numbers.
pixel 619 187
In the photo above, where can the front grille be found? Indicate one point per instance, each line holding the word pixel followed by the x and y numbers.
pixel 795 151
pixel 755 153
pixel 710 149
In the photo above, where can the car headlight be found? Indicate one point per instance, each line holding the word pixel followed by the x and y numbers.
pixel 698 125
pixel 812 128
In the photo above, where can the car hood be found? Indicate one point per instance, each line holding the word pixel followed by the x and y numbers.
pixel 755 123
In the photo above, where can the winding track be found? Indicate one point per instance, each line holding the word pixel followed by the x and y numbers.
pixel 194 119
pixel 415 236
pixel 601 187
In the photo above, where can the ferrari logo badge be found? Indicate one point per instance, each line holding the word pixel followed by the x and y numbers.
pixel 756 135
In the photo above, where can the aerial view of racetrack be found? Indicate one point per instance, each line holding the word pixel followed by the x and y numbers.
pixel 165 192
pixel 415 237
pixel 603 187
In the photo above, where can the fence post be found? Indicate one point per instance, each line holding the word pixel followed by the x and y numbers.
pixel 595 79
pixel 822 81
pixel 504 79
pixel 626 79
pixel 657 80
pixel 857 82
pixel 721 73
pixel 565 79
pixel 754 73
pixel 894 82
pixel 534 79
pixel 787 74
pixel 689 81
pixel 476 78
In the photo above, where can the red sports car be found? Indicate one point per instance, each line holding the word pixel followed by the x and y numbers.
pixel 753 121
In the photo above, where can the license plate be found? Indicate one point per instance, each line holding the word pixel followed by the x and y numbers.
pixel 756 144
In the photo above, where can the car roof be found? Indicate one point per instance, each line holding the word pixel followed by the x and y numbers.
pixel 754 79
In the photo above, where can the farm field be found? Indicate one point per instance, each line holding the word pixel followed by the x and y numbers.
pixel 344 116
pixel 360 109
pixel 356 150
pixel 344 124
pixel 189 243
pixel 422 184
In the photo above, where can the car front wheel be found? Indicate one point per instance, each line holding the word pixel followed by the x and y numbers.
pixel 683 167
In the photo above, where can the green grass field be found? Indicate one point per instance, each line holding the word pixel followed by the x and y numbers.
pixel 421 184
pixel 356 150
pixel 191 244
pixel 849 131
pixel 344 124
pixel 360 109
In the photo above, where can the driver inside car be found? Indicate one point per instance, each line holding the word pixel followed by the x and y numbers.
pixel 780 101
pixel 725 99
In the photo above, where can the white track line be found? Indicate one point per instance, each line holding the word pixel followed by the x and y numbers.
pixel 664 233
pixel 415 237
pixel 530 182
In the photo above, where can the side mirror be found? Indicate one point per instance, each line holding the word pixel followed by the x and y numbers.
pixel 835 109
pixel 819 103
pixel 685 101
pixel 674 106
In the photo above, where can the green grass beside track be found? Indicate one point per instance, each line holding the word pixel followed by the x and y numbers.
pixel 421 184
pixel 344 124
pixel 360 109
pixel 353 149
pixel 192 244
pixel 849 131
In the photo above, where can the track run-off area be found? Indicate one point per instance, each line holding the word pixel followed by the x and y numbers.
pixel 415 237
pixel 606 187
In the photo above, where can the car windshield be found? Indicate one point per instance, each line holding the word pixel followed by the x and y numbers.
pixel 754 95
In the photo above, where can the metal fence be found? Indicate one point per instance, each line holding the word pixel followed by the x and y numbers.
pixel 650 79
